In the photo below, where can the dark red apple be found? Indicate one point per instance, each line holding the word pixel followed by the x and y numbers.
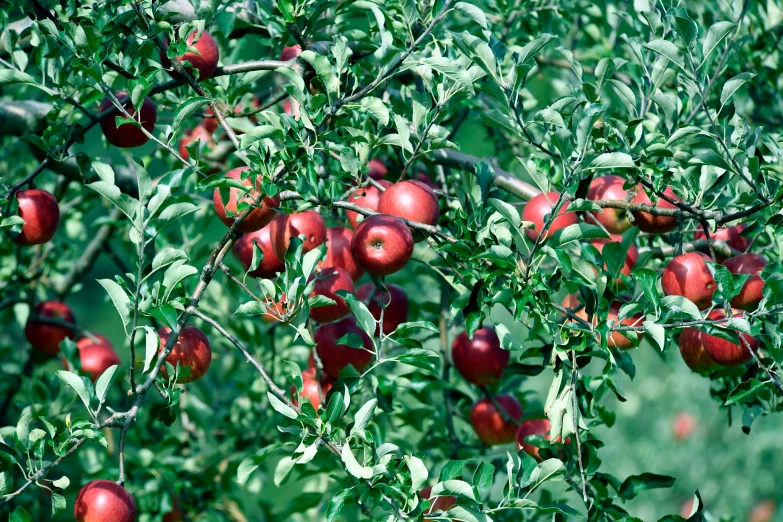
pixel 41 215
pixel 191 349
pixel 539 207
pixel 104 501
pixel 127 135
pixel 198 133
pixel 610 188
pixel 335 357
pixel 480 360
pixel 731 235
pixel 528 428
pixel 327 283
pixel 683 426
pixel 312 389
pixel 308 223
pixel 649 223
pixel 752 291
pixel 725 352
pixel 365 197
pixel 396 300
pixel 96 356
pixel 382 245
pixel 205 62
pixel 338 252
pixel 630 258
pixel 45 337
pixel 376 169
pixel 442 503
pixel 245 245
pixel 693 352
pixel 688 276
pixel 411 200
pixel 488 422
pixel 262 213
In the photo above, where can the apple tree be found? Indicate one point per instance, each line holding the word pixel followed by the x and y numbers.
pixel 334 242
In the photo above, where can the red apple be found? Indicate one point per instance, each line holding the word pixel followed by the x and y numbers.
pixel 528 428
pixel 365 197
pixel 693 352
pixel 335 357
pixel 291 52
pixel 198 133
pixel 127 135
pixel 610 188
pixel 411 200
pixel 683 426
pixel 489 424
pixel 104 501
pixel 396 300
pixel 574 304
pixel 308 223
pixel 191 350
pixel 480 360
pixel 442 503
pixel 630 258
pixel 617 339
pixel 539 207
pixel 312 389
pixel 96 356
pixel 731 235
pixel 725 352
pixel 175 515
pixel 686 508
pixel 327 283
pixel 376 169
pixel 205 62
pixel 423 177
pixel 382 245
pixel 338 252
pixel 752 291
pixel 763 511
pixel 280 308
pixel 245 245
pixel 654 224
pixel 688 276
pixel 41 215
pixel 45 337
pixel 262 213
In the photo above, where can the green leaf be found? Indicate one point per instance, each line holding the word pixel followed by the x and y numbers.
pixel 612 160
pixel 418 471
pixel 668 50
pixel 335 505
pixel 715 35
pixel 545 471
pixel 507 211
pixel 635 484
pixel 530 50
pixel 186 109
pixel 20 515
pixel 733 85
pixel 10 77
pixel 363 417
pixel 473 12
pixel 746 391
pixel 457 488
pixel 352 465
pixel 280 406
pixel 175 274
pixel 483 477
pixel 124 202
pixel 576 232
pixel 104 382
pixel 657 332
pixel 78 385
pixel 377 108
pixel 284 467
pixel 250 309
pixel 58 503
pixel 364 317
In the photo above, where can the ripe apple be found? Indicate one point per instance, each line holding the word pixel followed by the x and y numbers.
pixel 280 308
pixel 630 258
pixel 262 213
pixel 683 426
pixel 41 215
pixel 335 357
pixel 312 389
pixel 442 503
pixel 198 133
pixel 688 276
pixel 617 339
pixel 245 245
pixel 574 304
pixel 753 289
pixel 411 200
pixel 365 197
pixel 376 169
pixel 649 223
pixel 96 356
pixel 480 360
pixel 725 352
pixel 191 349
pixel 731 235
pixel 45 337
pixel 539 207
pixel 205 62
pixel 291 52
pixel 104 501
pixel 610 188
pixel 528 428
pixel 693 352
pixel 308 223
pixel 382 245
pixel 338 252
pixel 488 423
pixel 127 135
pixel 327 283
pixel 396 300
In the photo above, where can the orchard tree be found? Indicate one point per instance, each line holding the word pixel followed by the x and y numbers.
pixel 344 235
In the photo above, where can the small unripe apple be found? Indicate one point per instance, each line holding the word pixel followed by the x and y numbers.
pixel 45 337
pixel 312 389
pixel 338 252
pixel 528 428
pixel 308 223
pixel 104 501
pixel 127 135
pixel 41 215
pixel 335 357
pixel 488 422
pixel 727 353
pixel 649 223
pixel 261 214
pixel 411 200
pixel 365 197
pixel 480 360
pixel 245 246
pixel 382 245
pixel 327 283
pixel 731 235
pixel 205 62
pixel 693 352
pixel 610 188
pixel 396 300
pixel 752 291
pixel 442 503
pixel 683 426
pixel 539 207
pixel 630 258
pixel 96 356
pixel 687 275
pixel 376 169
pixel 191 349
